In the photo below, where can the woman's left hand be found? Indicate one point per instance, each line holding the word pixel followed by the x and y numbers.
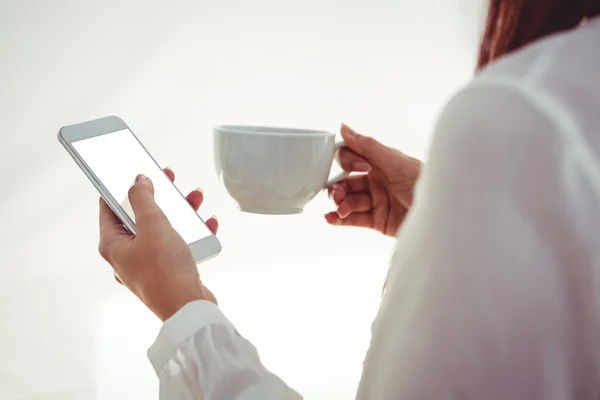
pixel 155 264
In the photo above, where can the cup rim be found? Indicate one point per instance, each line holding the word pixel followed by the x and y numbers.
pixel 271 130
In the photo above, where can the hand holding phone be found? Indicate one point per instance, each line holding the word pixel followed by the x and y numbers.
pixel 152 235
pixel 156 264
pixel 111 156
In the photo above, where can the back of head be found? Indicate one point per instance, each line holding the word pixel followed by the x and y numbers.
pixel 512 24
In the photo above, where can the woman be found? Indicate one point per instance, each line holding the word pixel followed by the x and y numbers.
pixel 493 292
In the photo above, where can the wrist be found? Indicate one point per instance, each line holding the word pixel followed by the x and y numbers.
pixel 165 300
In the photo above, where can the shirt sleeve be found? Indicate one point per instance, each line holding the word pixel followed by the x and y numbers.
pixel 200 355
pixel 489 292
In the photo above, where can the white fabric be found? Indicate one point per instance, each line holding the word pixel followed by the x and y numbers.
pixel 200 355
pixel 493 288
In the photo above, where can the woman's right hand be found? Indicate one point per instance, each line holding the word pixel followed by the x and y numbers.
pixel 379 199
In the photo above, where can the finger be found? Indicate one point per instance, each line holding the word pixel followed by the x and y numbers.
pixel 110 225
pixel 111 231
pixel 337 192
pixel 195 198
pixel 362 220
pixel 170 174
pixel 141 197
pixel 374 152
pixel 353 184
pixel 213 224
pixel 352 162
pixel 355 203
pixel 357 183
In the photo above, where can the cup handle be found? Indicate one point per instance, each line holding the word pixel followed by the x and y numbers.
pixel 336 178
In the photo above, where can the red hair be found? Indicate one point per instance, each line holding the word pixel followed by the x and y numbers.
pixel 512 24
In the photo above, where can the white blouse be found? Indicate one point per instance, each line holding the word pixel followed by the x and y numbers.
pixel 493 290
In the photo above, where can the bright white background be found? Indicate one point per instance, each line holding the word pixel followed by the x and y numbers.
pixel 302 292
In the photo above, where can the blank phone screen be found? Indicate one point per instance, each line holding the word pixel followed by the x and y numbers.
pixel 117 158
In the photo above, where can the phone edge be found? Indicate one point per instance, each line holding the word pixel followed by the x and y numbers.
pixel 104 193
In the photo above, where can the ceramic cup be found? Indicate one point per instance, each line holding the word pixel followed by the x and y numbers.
pixel 274 170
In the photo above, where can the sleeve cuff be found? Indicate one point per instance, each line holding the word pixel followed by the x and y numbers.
pixel 193 317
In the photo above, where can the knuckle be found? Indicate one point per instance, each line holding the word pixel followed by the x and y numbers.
pixel 132 190
pixel 104 251
pixel 370 141
pixel 344 154
pixel 348 158
pixel 351 201
pixel 366 204
pixel 338 156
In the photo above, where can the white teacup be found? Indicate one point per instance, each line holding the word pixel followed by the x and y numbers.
pixel 273 170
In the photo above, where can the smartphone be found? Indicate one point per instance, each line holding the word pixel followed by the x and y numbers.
pixel 111 156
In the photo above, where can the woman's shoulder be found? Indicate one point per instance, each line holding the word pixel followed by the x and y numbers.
pixel 517 133
pixel 567 56
pixel 554 82
pixel 545 96
pixel 503 135
pixel 494 113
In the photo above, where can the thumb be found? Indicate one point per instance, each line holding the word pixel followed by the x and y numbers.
pixel 373 151
pixel 141 197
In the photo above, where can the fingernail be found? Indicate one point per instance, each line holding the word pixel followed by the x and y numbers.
pixel 141 178
pixel 350 130
pixel 343 210
pixel 199 189
pixel 332 219
pixel 361 166
pixel 215 218
pixel 332 194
